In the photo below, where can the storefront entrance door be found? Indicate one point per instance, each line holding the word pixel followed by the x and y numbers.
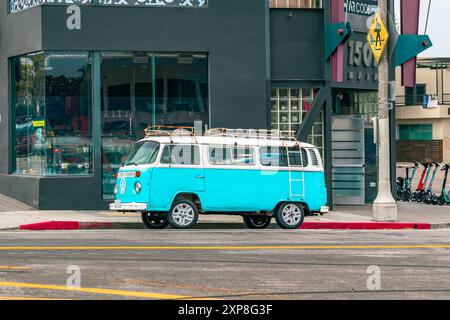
pixel 348 160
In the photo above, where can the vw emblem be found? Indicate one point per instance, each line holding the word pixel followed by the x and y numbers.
pixel 123 186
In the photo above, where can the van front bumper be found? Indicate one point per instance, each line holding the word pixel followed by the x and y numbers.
pixel 324 209
pixel 129 207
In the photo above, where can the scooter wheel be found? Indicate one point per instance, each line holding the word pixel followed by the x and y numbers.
pixel 407 197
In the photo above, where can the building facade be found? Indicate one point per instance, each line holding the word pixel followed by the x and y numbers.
pixel 75 94
pixel 423 113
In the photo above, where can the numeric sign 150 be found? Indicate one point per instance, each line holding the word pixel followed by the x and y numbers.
pixel 359 53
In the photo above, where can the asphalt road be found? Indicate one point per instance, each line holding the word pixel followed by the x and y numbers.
pixel 225 264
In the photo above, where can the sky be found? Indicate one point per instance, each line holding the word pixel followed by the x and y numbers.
pixel 438 26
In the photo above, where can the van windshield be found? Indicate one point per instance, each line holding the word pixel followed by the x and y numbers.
pixel 144 152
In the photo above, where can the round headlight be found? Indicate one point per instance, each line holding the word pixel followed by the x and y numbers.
pixel 137 187
pixel 115 189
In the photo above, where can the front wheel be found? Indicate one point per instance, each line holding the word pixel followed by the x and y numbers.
pixel 257 222
pixel 154 221
pixel 290 215
pixel 183 215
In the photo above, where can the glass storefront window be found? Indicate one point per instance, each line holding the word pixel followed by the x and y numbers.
pixel 422 132
pixel 363 103
pixel 181 89
pixel 289 109
pixel 142 89
pixel 51 102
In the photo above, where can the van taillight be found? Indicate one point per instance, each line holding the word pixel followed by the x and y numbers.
pixel 117 175
pixel 138 174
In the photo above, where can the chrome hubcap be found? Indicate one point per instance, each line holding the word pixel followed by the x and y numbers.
pixel 183 214
pixel 291 214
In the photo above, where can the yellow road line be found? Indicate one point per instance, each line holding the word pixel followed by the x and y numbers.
pixel 124 293
pixel 190 248
pixel 12 268
pixel 28 298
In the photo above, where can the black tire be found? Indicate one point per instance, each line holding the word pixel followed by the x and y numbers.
pixel 419 197
pixel 407 196
pixel 427 198
pixel 257 221
pixel 290 215
pixel 183 214
pixel 154 221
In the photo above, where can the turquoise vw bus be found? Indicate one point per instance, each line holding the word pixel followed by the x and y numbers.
pixel 171 177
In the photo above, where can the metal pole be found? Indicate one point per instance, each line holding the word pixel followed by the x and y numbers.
pixel 385 206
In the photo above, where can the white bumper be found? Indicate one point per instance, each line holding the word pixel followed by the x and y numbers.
pixel 324 209
pixel 134 206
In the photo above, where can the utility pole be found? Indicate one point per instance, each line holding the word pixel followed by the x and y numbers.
pixel 385 206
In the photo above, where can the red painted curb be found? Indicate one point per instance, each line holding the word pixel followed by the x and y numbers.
pixel 66 225
pixel 96 225
pixel 52 225
pixel 76 225
pixel 364 226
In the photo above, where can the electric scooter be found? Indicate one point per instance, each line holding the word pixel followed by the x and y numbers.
pixel 444 198
pixel 417 195
pixel 429 197
pixel 404 191
pixel 401 184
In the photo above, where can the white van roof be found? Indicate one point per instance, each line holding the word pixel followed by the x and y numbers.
pixel 216 140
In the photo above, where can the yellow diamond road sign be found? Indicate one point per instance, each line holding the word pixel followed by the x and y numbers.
pixel 378 36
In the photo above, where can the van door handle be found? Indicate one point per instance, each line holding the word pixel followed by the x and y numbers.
pixel 200 177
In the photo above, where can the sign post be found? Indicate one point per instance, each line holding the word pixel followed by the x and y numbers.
pixel 385 206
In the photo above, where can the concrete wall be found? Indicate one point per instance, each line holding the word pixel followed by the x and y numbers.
pixel 441 131
pixel 438 83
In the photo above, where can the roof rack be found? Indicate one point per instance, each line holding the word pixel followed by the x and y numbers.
pixel 249 133
pixel 169 131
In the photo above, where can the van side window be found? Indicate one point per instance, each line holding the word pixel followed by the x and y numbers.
pixel 188 155
pixel 226 156
pixel 278 157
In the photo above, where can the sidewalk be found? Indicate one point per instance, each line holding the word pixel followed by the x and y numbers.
pixel 415 216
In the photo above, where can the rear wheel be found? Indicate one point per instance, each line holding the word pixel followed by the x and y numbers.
pixel 256 221
pixel 154 221
pixel 290 215
pixel 183 214
pixel 407 196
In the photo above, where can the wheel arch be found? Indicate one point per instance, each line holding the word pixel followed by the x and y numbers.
pixel 191 196
pixel 302 203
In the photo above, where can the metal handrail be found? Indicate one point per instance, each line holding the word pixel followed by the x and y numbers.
pixel 402 100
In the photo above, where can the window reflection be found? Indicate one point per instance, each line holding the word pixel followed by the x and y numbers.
pixel 181 89
pixel 52 113
pixel 127 108
pixel 141 89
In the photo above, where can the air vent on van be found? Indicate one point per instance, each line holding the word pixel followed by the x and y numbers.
pixel 314 159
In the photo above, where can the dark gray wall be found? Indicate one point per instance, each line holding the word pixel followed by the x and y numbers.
pixel 232 32
pixel 297 44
